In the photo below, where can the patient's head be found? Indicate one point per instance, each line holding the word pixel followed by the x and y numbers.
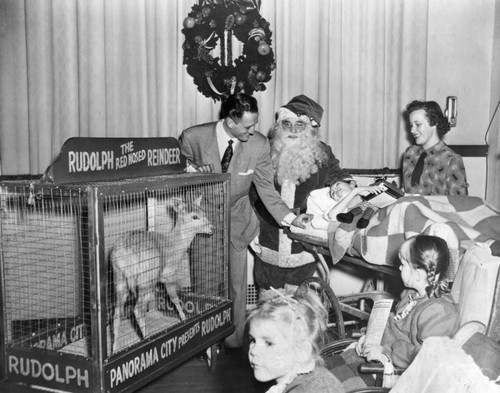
pixel 424 262
pixel 340 189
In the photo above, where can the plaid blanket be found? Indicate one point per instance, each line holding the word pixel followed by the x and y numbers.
pixel 470 218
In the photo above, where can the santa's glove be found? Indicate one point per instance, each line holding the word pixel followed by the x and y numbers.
pixel 365 218
pixel 349 216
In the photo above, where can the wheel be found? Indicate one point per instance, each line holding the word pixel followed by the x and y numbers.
pixel 212 355
pixel 368 285
pixel 337 347
pixel 335 323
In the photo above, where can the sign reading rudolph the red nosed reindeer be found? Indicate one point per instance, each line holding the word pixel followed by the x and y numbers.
pixel 98 159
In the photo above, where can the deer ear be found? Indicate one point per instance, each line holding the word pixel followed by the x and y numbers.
pixel 177 204
pixel 197 201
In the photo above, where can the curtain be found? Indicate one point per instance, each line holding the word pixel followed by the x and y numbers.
pixel 114 68
pixel 363 61
pixel 79 68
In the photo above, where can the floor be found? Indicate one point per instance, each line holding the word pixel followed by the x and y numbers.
pixel 233 374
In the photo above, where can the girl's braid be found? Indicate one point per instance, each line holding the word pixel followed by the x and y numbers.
pixel 431 253
pixel 438 284
pixel 431 273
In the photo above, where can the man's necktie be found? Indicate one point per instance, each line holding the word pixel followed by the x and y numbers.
pixel 226 158
pixel 417 172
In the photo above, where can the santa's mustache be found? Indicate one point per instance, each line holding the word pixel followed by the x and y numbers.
pixel 294 138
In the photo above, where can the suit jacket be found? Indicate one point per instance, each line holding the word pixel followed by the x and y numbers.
pixel 251 162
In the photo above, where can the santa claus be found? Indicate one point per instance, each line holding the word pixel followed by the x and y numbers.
pixel 302 163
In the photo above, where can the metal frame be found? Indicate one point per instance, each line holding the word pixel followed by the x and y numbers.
pixel 128 370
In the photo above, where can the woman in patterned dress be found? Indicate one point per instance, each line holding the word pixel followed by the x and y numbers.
pixel 430 167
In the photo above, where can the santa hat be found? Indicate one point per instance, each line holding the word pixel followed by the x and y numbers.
pixel 303 105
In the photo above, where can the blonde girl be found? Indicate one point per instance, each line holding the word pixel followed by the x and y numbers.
pixel 286 335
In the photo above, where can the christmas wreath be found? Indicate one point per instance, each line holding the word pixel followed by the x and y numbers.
pixel 216 21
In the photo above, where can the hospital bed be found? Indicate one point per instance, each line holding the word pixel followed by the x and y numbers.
pixel 373 251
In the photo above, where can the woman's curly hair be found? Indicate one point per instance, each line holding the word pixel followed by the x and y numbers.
pixel 434 115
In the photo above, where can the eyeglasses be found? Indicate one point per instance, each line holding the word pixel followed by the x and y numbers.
pixel 298 126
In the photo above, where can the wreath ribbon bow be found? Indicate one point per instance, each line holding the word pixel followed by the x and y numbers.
pixel 219 21
pixel 245 6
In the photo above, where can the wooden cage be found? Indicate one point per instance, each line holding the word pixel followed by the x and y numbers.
pixel 91 274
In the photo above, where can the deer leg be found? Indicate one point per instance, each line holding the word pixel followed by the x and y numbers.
pixel 172 294
pixel 147 296
pixel 140 311
pixel 121 296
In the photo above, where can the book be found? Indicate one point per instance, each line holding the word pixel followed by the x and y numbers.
pixel 390 195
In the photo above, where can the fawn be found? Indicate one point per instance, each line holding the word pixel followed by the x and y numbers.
pixel 141 259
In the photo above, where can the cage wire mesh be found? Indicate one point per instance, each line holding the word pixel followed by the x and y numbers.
pixel 162 246
pixel 170 242
pixel 43 253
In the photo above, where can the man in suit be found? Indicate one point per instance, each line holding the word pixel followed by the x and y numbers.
pixel 204 146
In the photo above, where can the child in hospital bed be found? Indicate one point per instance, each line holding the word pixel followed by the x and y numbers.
pixel 286 335
pixel 426 309
pixel 326 203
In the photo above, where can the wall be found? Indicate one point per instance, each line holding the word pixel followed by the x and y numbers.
pixel 493 180
pixel 460 63
pixel 476 175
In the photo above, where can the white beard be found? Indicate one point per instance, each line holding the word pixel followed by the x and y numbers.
pixel 296 159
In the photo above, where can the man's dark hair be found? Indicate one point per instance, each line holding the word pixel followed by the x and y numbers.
pixel 237 104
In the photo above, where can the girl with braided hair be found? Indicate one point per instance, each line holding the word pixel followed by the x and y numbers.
pixel 286 336
pixel 426 309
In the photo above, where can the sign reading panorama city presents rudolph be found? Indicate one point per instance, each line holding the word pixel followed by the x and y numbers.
pixel 48 369
pixel 97 159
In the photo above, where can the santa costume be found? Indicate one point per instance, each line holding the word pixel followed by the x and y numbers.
pixel 302 163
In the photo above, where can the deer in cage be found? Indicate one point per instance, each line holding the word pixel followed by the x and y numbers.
pixel 141 259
